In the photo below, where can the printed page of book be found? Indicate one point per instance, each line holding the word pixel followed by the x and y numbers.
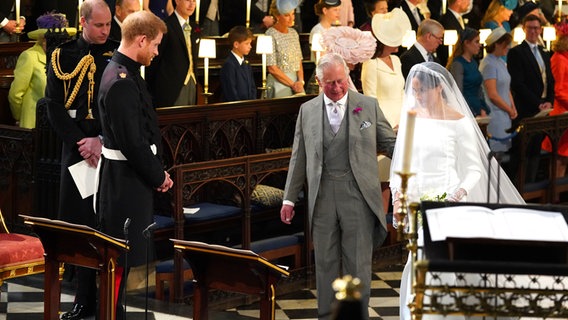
pixel 505 224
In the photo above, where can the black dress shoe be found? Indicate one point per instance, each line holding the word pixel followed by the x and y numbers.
pixel 79 311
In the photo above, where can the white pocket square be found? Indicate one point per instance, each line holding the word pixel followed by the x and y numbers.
pixel 364 125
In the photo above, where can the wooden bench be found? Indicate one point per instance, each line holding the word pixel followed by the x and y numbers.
pixel 243 174
pixel 547 188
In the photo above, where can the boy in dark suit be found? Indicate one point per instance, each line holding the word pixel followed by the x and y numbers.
pixel 237 81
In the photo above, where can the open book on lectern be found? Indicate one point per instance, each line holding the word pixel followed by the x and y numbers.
pixel 467 222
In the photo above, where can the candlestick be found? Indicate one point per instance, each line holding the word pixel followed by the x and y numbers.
pixel 17 13
pixel 206 68
pixel 408 140
pixel 248 14
pixel 559 10
pixel 79 26
pixel 444 6
pixel 197 11
pixel 143 72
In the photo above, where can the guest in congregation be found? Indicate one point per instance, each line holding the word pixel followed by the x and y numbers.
pixel 328 12
pixel 429 36
pixel 532 85
pixel 496 85
pixel 410 7
pixel 237 81
pixel 452 20
pixel 286 76
pixel 29 75
pixel 233 13
pixel 121 10
pixel 372 8
pixel 209 17
pixel 8 21
pixel 524 10
pixel 381 78
pixel 449 157
pixel 162 8
pixel 131 169
pixel 338 136
pixel 465 70
pixel 171 76
pixel 74 117
pixel 498 14
pixel 559 68
pixel 346 14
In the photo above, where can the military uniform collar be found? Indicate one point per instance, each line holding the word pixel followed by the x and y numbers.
pixel 130 64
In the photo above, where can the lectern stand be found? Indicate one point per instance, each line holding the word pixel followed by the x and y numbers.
pixel 82 246
pixel 223 268
pixel 488 277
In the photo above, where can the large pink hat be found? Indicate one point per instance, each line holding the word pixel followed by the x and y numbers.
pixel 354 45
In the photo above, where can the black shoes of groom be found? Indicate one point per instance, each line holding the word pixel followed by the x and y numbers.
pixel 78 312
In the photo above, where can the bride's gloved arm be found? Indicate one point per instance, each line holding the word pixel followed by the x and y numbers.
pixel 468 162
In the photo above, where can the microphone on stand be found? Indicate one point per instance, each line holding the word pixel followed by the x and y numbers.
pixel 124 272
pixel 147 233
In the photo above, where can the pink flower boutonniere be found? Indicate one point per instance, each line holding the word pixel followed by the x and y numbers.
pixel 357 110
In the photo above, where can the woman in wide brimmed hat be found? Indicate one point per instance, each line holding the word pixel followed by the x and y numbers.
pixel 381 77
pixel 29 75
pixel 286 76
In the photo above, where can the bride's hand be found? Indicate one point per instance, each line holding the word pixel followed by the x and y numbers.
pixel 457 196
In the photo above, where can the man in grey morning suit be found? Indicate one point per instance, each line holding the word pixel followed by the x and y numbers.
pixel 337 155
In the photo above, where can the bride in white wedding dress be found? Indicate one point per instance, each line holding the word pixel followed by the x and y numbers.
pixel 449 154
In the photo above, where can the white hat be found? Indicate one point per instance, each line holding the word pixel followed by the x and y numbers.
pixel 495 35
pixel 389 28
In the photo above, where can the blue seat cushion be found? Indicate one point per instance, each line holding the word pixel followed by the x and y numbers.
pixel 163 222
pixel 211 211
pixel 168 266
pixel 273 243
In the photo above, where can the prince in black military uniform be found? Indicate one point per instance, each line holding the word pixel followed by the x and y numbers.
pixel 131 170
pixel 73 77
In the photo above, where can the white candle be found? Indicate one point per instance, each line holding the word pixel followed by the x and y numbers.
pixel 18 12
pixel 80 3
pixel 560 9
pixel 248 14
pixel 197 11
pixel 206 68
pixel 444 6
pixel 141 5
pixel 143 72
pixel 263 68
pixel 408 140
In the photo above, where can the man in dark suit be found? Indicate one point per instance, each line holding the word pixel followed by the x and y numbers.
pixel 131 169
pixel 122 9
pixel 73 114
pixel 8 21
pixel 338 136
pixel 171 76
pixel 410 8
pixel 429 36
pixel 532 85
pixel 237 81
pixel 452 20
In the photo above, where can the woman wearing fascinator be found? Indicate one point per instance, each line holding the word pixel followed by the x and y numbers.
pixel 449 154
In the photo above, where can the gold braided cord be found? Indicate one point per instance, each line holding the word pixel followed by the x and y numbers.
pixel 87 63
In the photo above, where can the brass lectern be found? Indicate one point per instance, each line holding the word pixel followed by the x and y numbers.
pixel 82 246
pixel 228 269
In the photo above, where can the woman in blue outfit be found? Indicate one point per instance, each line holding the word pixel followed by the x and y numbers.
pixel 465 71
pixel 496 86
